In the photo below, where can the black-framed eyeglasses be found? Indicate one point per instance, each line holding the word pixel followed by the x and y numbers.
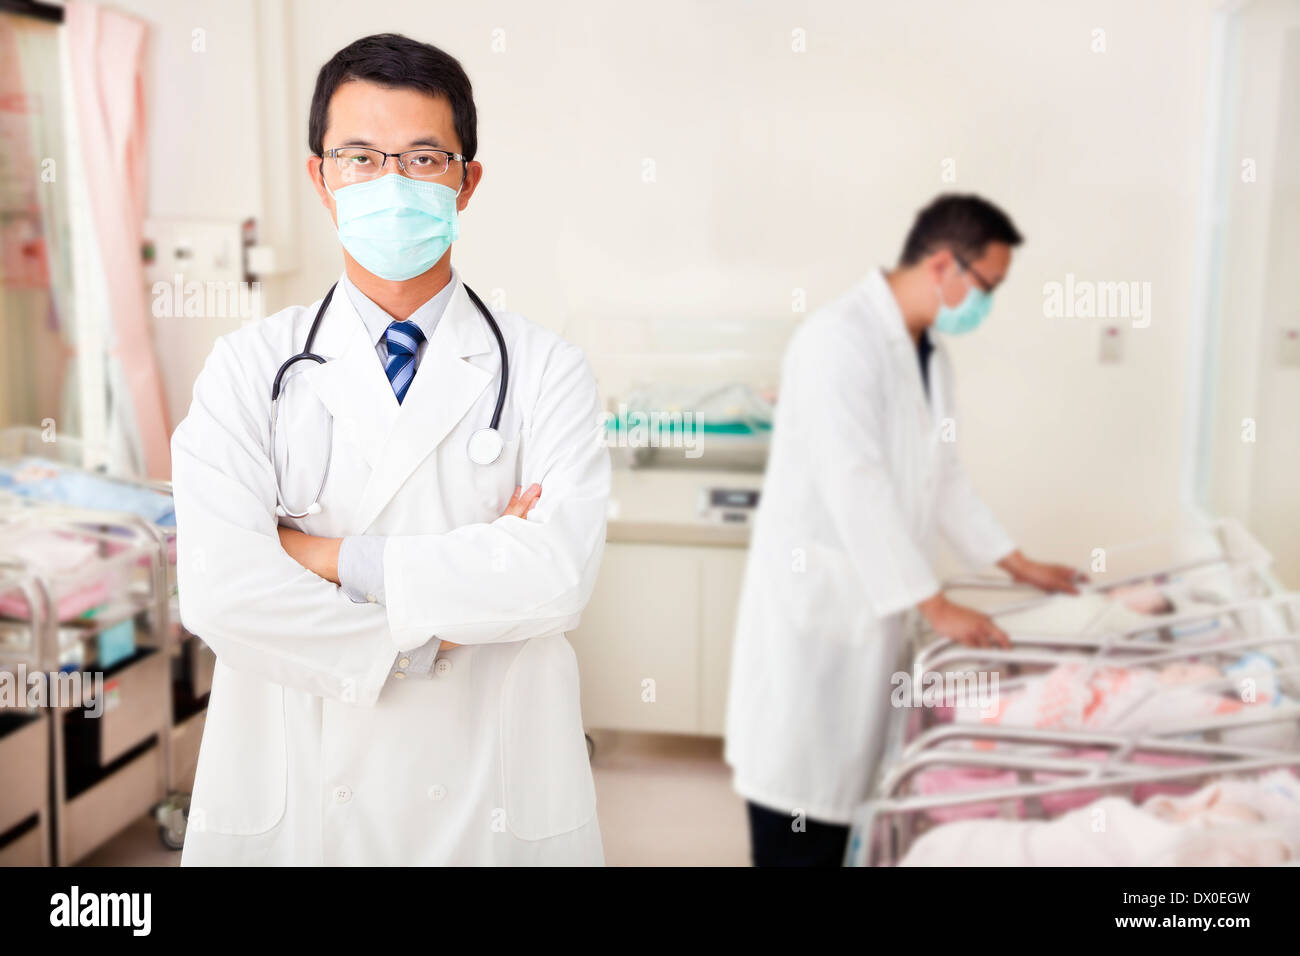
pixel 985 284
pixel 359 163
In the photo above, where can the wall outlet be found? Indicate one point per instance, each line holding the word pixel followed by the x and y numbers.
pixel 1112 345
pixel 1289 347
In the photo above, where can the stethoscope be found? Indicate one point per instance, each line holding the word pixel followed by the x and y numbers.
pixel 484 446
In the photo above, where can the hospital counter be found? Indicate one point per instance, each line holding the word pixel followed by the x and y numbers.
pixel 654 645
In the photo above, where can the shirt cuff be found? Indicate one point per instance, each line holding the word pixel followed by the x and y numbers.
pixel 361 568
pixel 418 662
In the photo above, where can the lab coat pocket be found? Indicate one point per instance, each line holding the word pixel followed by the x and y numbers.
pixel 545 770
pixel 240 785
pixel 495 483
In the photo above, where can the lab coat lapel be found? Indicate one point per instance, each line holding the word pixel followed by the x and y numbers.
pixel 443 390
pixel 916 464
pixel 902 350
pixel 352 383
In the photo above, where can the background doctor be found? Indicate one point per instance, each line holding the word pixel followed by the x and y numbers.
pixel 858 484
pixel 336 732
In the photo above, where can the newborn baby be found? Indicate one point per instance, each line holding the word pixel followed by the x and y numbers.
pixel 1143 599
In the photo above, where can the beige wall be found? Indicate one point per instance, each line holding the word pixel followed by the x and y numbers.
pixel 778 171
pixel 1258 285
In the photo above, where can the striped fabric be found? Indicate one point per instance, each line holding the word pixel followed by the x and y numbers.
pixel 403 340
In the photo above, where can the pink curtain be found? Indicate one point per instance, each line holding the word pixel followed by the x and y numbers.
pixel 107 56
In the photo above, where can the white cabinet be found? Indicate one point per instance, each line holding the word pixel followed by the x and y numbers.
pixel 654 647
pixel 721 571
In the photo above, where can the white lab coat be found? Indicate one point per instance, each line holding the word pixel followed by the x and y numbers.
pixel 312 753
pixel 858 482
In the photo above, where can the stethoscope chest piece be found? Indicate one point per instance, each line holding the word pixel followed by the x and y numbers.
pixel 485 446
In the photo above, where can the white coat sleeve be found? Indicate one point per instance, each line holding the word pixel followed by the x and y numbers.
pixel 240 592
pixel 843 408
pixel 965 521
pixel 514 579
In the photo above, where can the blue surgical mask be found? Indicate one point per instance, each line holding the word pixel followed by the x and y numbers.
pixel 396 227
pixel 966 315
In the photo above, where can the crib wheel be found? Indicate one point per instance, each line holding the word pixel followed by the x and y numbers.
pixel 173 818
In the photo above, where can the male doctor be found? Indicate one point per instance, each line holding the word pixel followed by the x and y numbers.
pixel 393 684
pixel 858 483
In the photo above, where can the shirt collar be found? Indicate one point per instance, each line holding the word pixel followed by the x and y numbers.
pixel 377 320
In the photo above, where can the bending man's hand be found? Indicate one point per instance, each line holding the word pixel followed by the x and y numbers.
pixel 1052 578
pixel 320 555
pixel 962 624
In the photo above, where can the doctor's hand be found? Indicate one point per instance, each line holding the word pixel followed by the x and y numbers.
pixel 318 555
pixel 521 502
pixel 962 624
pixel 1052 578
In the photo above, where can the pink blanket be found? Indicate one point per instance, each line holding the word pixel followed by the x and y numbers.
pixel 1226 823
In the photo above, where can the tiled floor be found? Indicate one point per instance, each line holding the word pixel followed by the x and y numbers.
pixel 662 801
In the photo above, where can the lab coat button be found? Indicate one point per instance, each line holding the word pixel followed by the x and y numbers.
pixel 400 675
pixel 442 667
pixel 370 598
pixel 437 792
pixel 342 794
pixel 404 662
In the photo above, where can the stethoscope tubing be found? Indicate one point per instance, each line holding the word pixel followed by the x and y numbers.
pixel 505 364
pixel 309 356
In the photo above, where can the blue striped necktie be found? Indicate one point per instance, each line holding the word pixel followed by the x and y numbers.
pixel 403 340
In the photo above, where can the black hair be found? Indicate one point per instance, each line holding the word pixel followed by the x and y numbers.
pixel 964 225
pixel 395 61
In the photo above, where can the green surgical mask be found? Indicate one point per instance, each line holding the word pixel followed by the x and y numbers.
pixel 966 315
pixel 396 227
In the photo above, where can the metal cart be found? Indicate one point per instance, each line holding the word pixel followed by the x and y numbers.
pixel 186 662
pixel 109 740
pixel 25 826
